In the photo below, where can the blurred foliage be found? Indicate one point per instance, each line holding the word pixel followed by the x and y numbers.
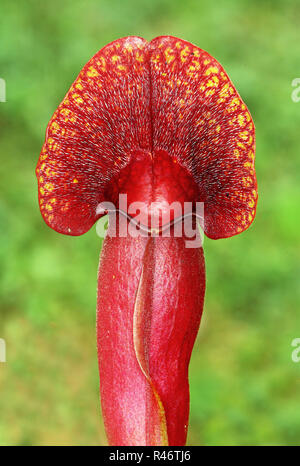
pixel 244 385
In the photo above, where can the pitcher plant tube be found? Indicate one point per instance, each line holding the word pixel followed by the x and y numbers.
pixel 161 123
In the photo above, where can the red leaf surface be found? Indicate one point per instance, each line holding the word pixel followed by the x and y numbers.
pixel 150 299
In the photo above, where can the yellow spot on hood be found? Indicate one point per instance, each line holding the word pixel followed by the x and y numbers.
pixel 121 67
pixel 184 54
pixel 77 98
pixel 168 55
pixel 211 69
pixel 140 57
pixel 92 72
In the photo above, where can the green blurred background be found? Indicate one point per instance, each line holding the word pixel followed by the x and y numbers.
pixel 245 389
